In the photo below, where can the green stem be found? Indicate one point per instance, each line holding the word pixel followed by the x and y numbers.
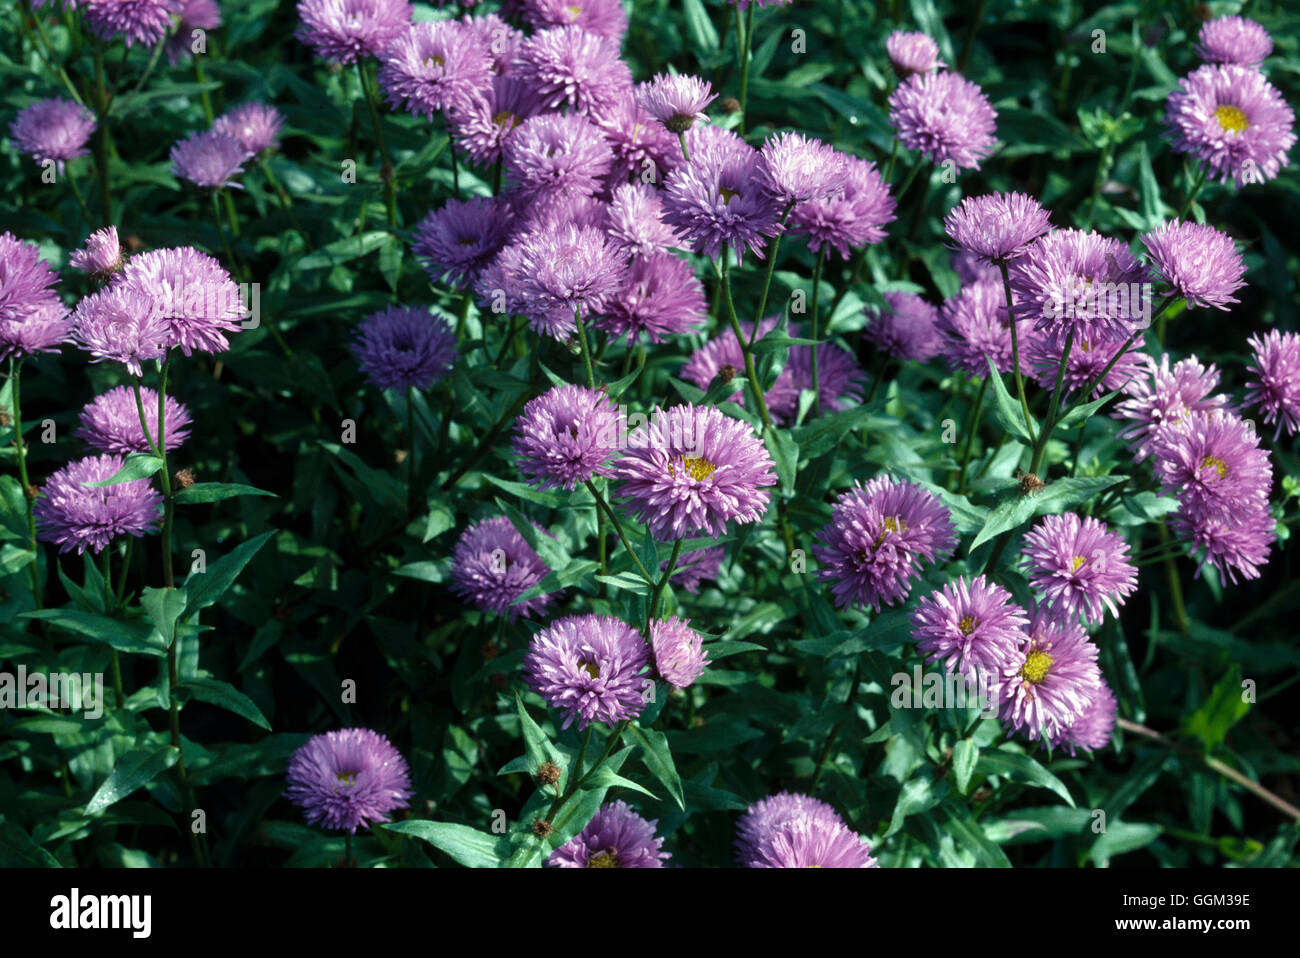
pixel 816 380
pixel 230 212
pixel 126 565
pixel 969 42
pixel 586 351
pixel 603 507
pixel 153 62
pixel 15 378
pixel 410 455
pixel 81 200
pixel 972 425
pixel 1053 404
pixel 745 40
pixel 1015 351
pixel 653 611
pixel 1192 191
pixel 200 75
pixel 285 203
pixel 750 370
pixel 386 173
pixel 1175 583
pixel 771 267
pixel 100 140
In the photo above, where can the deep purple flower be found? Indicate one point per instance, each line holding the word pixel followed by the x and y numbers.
pixel 1165 396
pixel 194 15
pixel 1088 358
pixel 101 256
pixel 1276 386
pixel 996 227
pixel 660 297
pixel 1232 120
pixel 432 66
pixel 557 152
pixel 567 66
pixel 137 21
pixel 492 565
pixel 852 216
pixel 192 292
pixel 54 130
pixel 604 18
pixel 591 668
pixel 945 117
pixel 341 31
pixel 839 375
pixel 1051 680
pixel 636 225
pixel 974 327
pixel 643 148
pixel 616 837
pixel 75 515
pixel 679 654
pixel 111 421
pixel 1078 566
pixel 120 323
pixel 1235 541
pixel 878 537
pixel 458 241
pixel 692 470
pixel 489 116
pixel 401 347
pixel 1200 263
pixel 566 436
pixel 210 159
pixel 676 100
pixel 971 625
pixel 796 168
pixel 723 356
pixel 255 125
pixel 696 567
pixel 907 329
pixel 1093 728
pixel 348 778
pixel 1234 40
pixel 30 310
pixel 795 831
pixel 912 53
pixel 1212 462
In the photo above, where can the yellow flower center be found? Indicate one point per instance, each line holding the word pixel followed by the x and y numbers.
pixel 1218 465
pixel 505 118
pixel 345 780
pixel 727 194
pixel 1076 562
pixel 574 11
pixel 591 668
pixel 1231 118
pixel 892 524
pixel 967 624
pixel 1037 664
pixel 435 60
pixel 697 467
pixel 603 860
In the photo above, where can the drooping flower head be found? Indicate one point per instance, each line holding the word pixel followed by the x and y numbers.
pixel 1234 40
pixel 1275 388
pixel 42 331
pixel 789 830
pixel 1200 263
pixel 604 18
pixel 75 515
pixel 1089 358
pixel 194 15
pixel 839 375
pixel 1051 680
pixel 1232 120
pixel 974 326
pixel 971 625
pixel 456 242
pixel 1078 566
pixel 210 159
pixel 907 329
pixel 567 66
pixel 1234 542
pixel 679 655
pixel 796 168
pixel 692 470
pixel 136 21
pixel 255 125
pixel 912 53
pixel 30 309
pixel 101 256
pixel 434 66
pixel 492 565
pixel 1165 396
pixel 696 567
pixel 566 436
pixel 120 323
pixel 347 779
pixel 879 536
pixel 111 421
pixel 854 215
pixel 676 100
pixel 557 153
pixel 402 347
pixel 996 227
pixel 642 146
pixel 1212 462
pixel 616 837
pixel 54 130
pixel 1092 729
pixel 590 667
pixel 341 31
pixel 191 292
pixel 660 297
pixel 945 117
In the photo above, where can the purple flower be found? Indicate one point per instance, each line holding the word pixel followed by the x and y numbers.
pixel 54 130
pixel 660 297
pixel 996 227
pixel 907 329
pixel 696 567
pixel 1199 262
pixel 457 242
pixel 210 159
pixel 1234 40
pixel 74 515
pixel 30 310
pixel 101 256
pixel 795 831
pixel 723 356
pixel 855 215
pixel 1051 680
pixel 405 347
pixel 567 66
pixel 971 625
pixel 489 116
pixel 557 153
pixel 1276 386
pixel 137 21
pixel 1093 728
pixel 1232 120
pixel 561 271
pixel 839 375
pixel 795 169
pixel 679 654
pixel 878 537
pixel 341 31
pixel 912 53
pixel 111 421
pixel 1090 283
pixel 676 100
pixel 492 565
pixel 971 269
pixel 255 125
pixel 432 66
pixel 1078 566
pixel 192 292
pixel 945 117
pixel 1087 360
pixel 43 330
pixel 194 15
pixel 1235 541
pixel 1166 396
pixel 591 668
pixel 616 837
pixel 974 327
pixel 716 199
pixel 120 323
pixel 348 778
pixel 500 39
pixel 691 470
pixel 1212 462
pixel 566 436
pixel 642 147
pixel 636 225
pixel 604 18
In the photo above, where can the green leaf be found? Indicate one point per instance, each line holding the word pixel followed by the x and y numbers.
pixel 1085 411
pixel 1066 493
pixel 964 755
pixel 1008 411
pixel 699 28
pixel 1021 768
pixel 1121 837
pixel 226 696
pixel 1009 514
pixel 1224 708
pixel 658 757
pixel 216 491
pixel 539 747
pixel 137 466
pixel 123 636
pixel 164 607
pixel 343 250
pixel 603 777
pixel 468 846
pixel 205 588
pixel 785 454
pixel 131 771
pixel 971 834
